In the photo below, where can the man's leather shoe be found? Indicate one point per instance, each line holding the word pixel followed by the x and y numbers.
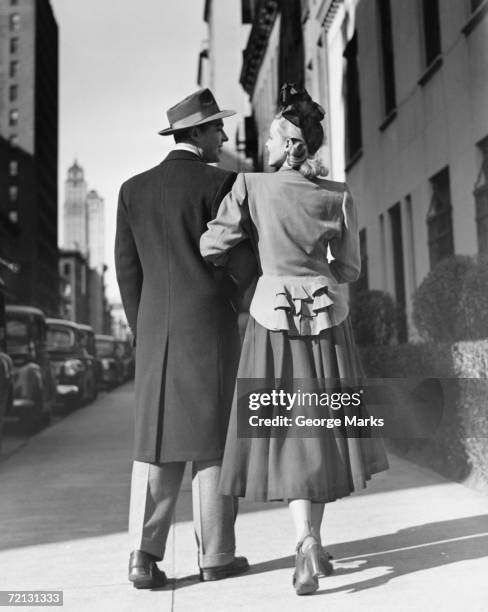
pixel 143 571
pixel 237 566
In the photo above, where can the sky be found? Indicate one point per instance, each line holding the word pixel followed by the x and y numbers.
pixel 122 65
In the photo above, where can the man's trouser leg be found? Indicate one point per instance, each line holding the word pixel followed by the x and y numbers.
pixel 154 491
pixel 213 516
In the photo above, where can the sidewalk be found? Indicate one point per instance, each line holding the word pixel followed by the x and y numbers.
pixel 412 541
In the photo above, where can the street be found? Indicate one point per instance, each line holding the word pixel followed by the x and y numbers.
pixel 412 541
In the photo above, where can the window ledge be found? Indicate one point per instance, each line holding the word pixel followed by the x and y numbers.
pixel 354 159
pixel 431 70
pixel 388 119
pixel 475 18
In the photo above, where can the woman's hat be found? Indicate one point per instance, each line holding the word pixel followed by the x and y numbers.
pixel 197 108
pixel 298 107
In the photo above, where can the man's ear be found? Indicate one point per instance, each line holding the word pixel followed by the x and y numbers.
pixel 195 133
pixel 288 144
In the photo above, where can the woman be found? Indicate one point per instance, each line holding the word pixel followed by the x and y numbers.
pixel 298 329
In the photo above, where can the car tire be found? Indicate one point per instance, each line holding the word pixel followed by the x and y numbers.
pixel 72 403
pixel 32 421
pixel 92 390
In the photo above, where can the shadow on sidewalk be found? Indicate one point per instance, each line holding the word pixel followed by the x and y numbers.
pixel 403 552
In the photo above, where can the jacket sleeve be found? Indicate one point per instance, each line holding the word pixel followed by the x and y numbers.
pixel 346 265
pixel 127 264
pixel 227 229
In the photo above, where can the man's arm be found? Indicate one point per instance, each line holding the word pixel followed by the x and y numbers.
pixel 127 264
pixel 241 261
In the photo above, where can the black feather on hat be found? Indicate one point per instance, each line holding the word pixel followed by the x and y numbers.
pixel 298 107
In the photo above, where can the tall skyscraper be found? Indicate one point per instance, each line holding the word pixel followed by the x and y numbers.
pixel 96 230
pixel 75 212
pixel 84 220
pixel 29 150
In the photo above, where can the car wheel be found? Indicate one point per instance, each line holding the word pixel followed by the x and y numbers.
pixel 92 390
pixel 31 421
pixel 72 402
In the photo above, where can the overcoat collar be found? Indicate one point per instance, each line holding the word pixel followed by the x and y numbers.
pixel 180 154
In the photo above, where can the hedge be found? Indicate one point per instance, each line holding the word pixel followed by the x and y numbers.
pixel 459 448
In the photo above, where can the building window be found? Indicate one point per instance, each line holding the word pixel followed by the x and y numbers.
pixel 13 216
pixel 387 57
pixel 14 2
pixel 432 30
pixel 14 45
pixel 398 270
pixel 66 269
pixel 362 283
pixel 13 193
pixel 439 219
pixel 14 69
pixel 481 198
pixel 353 102
pixel 13 119
pixel 14 22
pixel 410 240
pixel 13 168
pixel 14 140
pixel 13 93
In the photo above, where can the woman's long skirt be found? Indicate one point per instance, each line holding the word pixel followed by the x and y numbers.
pixel 283 464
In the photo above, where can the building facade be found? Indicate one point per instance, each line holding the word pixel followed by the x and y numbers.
pixel 75 275
pixel 29 150
pixel 83 292
pixel 404 87
pixel 95 210
pixel 83 218
pixel 221 52
pixel 409 107
pixel 75 217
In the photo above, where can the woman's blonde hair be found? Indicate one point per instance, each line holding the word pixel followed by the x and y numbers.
pixel 298 156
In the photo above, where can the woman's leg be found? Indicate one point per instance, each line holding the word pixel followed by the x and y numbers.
pixel 317 513
pixel 301 512
pixel 307 561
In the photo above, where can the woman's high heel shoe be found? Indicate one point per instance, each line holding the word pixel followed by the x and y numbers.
pixel 326 567
pixel 307 566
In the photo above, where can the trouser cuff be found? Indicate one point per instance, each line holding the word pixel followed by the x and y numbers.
pixel 213 560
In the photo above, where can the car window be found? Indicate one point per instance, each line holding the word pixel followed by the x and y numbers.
pixel 60 337
pixel 17 329
pixel 105 348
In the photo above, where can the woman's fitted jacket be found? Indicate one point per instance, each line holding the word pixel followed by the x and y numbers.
pixel 294 221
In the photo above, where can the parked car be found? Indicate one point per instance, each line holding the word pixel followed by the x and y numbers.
pixel 110 364
pixel 33 377
pixel 75 368
pixel 87 340
pixel 125 353
pixel 6 372
pixel 6 388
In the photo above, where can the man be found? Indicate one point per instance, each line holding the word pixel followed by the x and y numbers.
pixel 186 344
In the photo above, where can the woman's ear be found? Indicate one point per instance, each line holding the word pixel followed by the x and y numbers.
pixel 288 144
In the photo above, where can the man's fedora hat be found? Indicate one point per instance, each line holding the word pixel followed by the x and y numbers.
pixel 196 109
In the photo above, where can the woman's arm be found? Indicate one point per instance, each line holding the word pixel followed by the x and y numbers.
pixel 346 265
pixel 227 229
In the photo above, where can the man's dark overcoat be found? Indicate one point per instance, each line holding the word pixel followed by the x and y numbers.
pixel 186 329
